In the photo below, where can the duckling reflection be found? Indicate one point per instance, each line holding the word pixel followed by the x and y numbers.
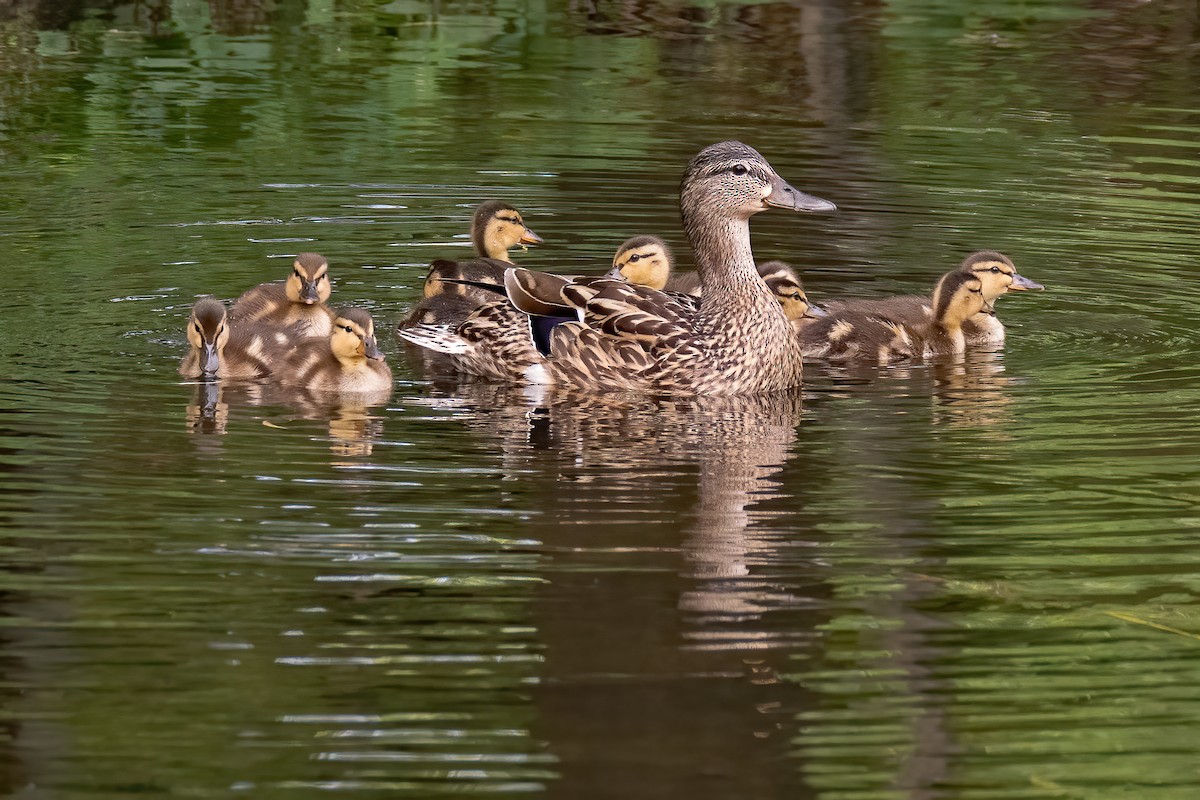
pixel 973 392
pixel 207 413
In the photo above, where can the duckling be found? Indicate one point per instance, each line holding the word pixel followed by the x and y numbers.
pixel 998 275
pixel 217 351
pixel 850 334
pixel 294 307
pixel 348 361
pixel 627 337
pixel 496 228
pixel 644 261
pixel 785 284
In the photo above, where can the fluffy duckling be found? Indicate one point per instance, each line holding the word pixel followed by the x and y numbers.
pixel 496 228
pixel 644 261
pixel 295 306
pixel 785 284
pixel 850 334
pixel 349 361
pixel 995 271
pixel 216 351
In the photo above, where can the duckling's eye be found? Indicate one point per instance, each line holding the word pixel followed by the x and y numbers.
pixel 995 270
pixel 739 169
pixel 347 328
pixel 633 259
pixel 197 326
pixel 296 272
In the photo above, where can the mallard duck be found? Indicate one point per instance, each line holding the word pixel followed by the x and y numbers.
pixel 998 276
pixel 496 228
pixel 633 337
pixel 850 334
pixel 785 284
pixel 645 261
pixel 294 307
pixel 348 361
pixel 217 350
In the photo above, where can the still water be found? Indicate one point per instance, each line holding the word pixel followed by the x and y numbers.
pixel 967 580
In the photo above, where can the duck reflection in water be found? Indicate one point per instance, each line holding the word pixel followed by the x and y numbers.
pixel 666 622
pixel 352 428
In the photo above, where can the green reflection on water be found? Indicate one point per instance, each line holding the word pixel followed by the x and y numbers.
pixel 941 581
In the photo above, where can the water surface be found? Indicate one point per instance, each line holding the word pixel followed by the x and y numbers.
pixel 971 579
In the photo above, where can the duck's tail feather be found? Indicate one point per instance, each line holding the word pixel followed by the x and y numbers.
pixel 440 338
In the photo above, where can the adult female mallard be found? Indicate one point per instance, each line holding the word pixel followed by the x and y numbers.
pixel 637 338
pixel 995 271
pixel 851 334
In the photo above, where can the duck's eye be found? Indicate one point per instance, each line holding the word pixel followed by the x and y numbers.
pixel 633 259
pixel 996 270
pixel 347 329
pixel 739 169
pixel 297 273
pixel 197 326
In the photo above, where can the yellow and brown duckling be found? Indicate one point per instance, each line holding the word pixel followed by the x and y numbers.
pixel 995 271
pixel 850 334
pixel 217 351
pixel 644 261
pixel 349 360
pixel 294 307
pixel 785 284
pixel 496 228
pixel 630 337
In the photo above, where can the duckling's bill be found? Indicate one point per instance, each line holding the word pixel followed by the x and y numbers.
pixel 1021 283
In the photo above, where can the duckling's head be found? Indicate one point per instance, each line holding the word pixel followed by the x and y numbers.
pixel 997 273
pixel 498 227
pixel 207 333
pixel 309 281
pixel 643 260
pixel 785 284
pixel 353 337
pixel 957 297
pixel 733 180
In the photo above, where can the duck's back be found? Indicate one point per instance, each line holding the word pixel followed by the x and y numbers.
pixel 311 365
pixel 915 311
pixel 857 336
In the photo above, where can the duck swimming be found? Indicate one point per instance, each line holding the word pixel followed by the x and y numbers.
pixel 995 271
pixel 496 228
pixel 783 282
pixel 348 361
pixel 851 334
pixel 637 338
pixel 216 351
pixel 295 307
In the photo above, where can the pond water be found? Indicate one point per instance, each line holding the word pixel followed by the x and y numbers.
pixel 975 579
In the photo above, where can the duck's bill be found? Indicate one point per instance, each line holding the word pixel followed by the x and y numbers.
pixel 1021 284
pixel 784 195
pixel 210 362
pixel 371 350
pixel 614 274
pixel 816 312
pixel 309 294
pixel 529 237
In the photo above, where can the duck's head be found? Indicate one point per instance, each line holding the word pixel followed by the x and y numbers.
pixel 497 227
pixel 957 297
pixel 733 180
pixel 997 274
pixel 785 284
pixel 308 282
pixel 643 260
pixel 353 337
pixel 207 332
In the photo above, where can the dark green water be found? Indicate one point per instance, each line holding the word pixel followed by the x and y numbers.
pixel 952 580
